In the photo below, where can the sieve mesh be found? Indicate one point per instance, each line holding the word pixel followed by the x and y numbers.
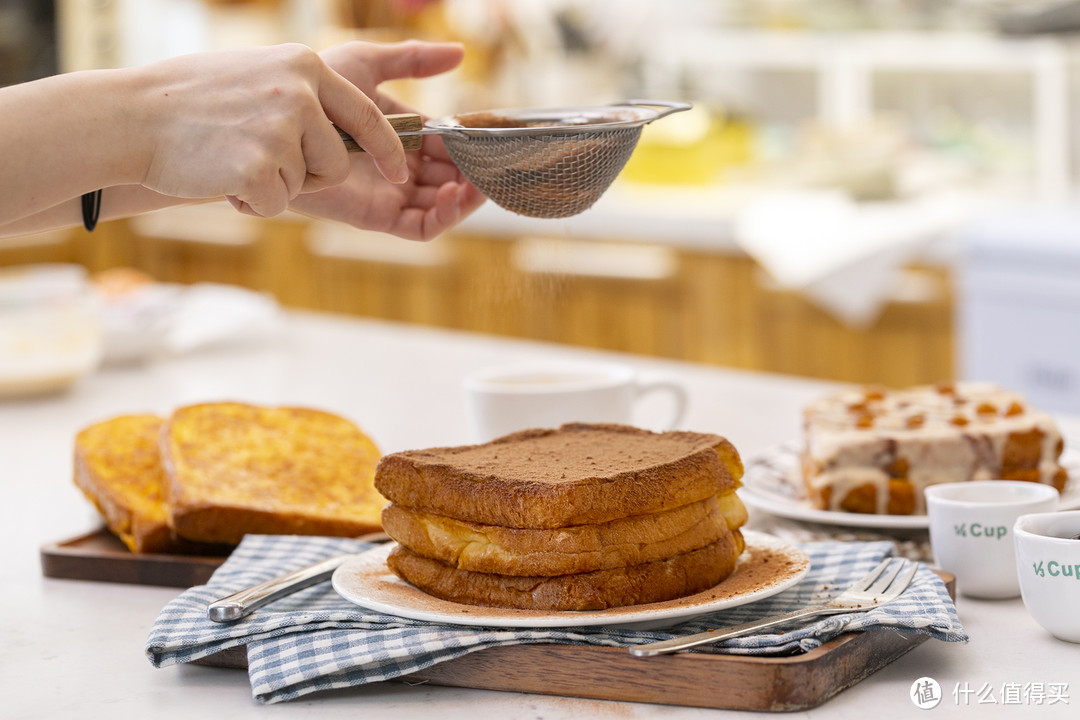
pixel 544 175
pixel 547 162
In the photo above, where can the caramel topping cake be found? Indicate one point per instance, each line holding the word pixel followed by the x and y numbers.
pixel 875 450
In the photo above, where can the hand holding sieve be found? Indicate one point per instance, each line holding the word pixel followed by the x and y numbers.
pixel 545 163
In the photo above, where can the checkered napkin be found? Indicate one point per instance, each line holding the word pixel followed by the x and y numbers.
pixel 314 640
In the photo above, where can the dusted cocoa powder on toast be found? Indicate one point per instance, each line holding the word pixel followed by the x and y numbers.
pixel 575 475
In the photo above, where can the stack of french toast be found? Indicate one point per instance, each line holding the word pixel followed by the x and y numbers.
pixel 583 517
pixel 208 474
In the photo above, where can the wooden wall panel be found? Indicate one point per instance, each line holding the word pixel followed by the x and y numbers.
pixel 705 307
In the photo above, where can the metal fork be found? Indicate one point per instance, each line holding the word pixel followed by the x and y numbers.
pixel 881 585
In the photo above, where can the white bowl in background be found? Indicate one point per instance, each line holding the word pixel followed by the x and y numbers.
pixel 50 329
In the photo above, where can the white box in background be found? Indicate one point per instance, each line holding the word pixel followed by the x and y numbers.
pixel 1018 301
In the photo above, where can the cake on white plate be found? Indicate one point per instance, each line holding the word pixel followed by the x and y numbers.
pixel 874 450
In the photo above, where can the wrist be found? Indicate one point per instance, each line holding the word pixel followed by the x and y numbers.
pixel 129 95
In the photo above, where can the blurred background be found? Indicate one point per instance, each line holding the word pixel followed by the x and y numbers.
pixel 873 191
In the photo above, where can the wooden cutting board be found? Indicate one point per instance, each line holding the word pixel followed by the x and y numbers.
pixel 725 682
pixel 101 556
pixel 728 682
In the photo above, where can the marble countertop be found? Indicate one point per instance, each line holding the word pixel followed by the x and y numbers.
pixel 75 648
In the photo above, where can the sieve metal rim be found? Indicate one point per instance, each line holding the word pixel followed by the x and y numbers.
pixel 645 112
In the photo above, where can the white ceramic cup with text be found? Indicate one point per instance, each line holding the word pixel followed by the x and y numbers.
pixel 1048 563
pixel 507 398
pixel 971 531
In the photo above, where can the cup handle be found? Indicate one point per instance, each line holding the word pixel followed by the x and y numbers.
pixel 675 390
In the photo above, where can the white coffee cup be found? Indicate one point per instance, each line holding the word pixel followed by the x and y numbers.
pixel 971 531
pixel 1048 564
pixel 508 398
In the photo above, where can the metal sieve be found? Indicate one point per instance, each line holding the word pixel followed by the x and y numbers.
pixel 544 163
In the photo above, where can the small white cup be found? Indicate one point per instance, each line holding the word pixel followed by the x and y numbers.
pixel 508 398
pixel 971 531
pixel 1048 564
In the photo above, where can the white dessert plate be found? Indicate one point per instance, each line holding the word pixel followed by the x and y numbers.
pixel 773 483
pixel 768 566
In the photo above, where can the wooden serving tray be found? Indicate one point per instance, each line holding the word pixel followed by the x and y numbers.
pixel 724 682
pixel 101 556
pixel 727 682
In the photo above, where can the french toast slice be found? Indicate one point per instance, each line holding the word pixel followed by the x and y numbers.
pixel 235 468
pixel 578 474
pixel 562 551
pixel 656 581
pixel 118 468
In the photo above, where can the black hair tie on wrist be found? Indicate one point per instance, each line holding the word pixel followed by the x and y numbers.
pixel 91 209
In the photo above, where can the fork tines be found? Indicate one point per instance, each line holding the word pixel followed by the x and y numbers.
pixel 886 579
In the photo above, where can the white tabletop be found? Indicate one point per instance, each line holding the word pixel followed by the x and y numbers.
pixel 75 648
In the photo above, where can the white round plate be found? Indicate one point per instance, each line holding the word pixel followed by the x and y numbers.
pixel 773 483
pixel 366 581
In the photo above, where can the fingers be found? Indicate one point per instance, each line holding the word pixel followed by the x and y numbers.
pixel 436 173
pixel 268 181
pixel 414 59
pixel 325 158
pixel 266 199
pixel 435 148
pixel 358 115
pixel 367 64
pixel 431 216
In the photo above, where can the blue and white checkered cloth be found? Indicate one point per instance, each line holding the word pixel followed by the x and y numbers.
pixel 315 640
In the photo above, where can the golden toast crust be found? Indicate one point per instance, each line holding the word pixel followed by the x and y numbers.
pixel 563 551
pixel 657 581
pixel 118 468
pixel 235 468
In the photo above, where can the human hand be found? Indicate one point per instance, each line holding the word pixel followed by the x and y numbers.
pixel 436 196
pixel 254 126
pixel 434 199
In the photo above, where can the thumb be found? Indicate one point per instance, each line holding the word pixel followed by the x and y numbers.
pixel 355 113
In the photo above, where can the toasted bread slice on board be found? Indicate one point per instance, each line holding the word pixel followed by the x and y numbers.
pixel 235 468
pixel 118 467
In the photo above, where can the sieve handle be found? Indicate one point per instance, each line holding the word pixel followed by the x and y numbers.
pixel 672 106
pixel 408 126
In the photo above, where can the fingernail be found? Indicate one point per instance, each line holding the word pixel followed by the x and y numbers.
pixel 400 174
